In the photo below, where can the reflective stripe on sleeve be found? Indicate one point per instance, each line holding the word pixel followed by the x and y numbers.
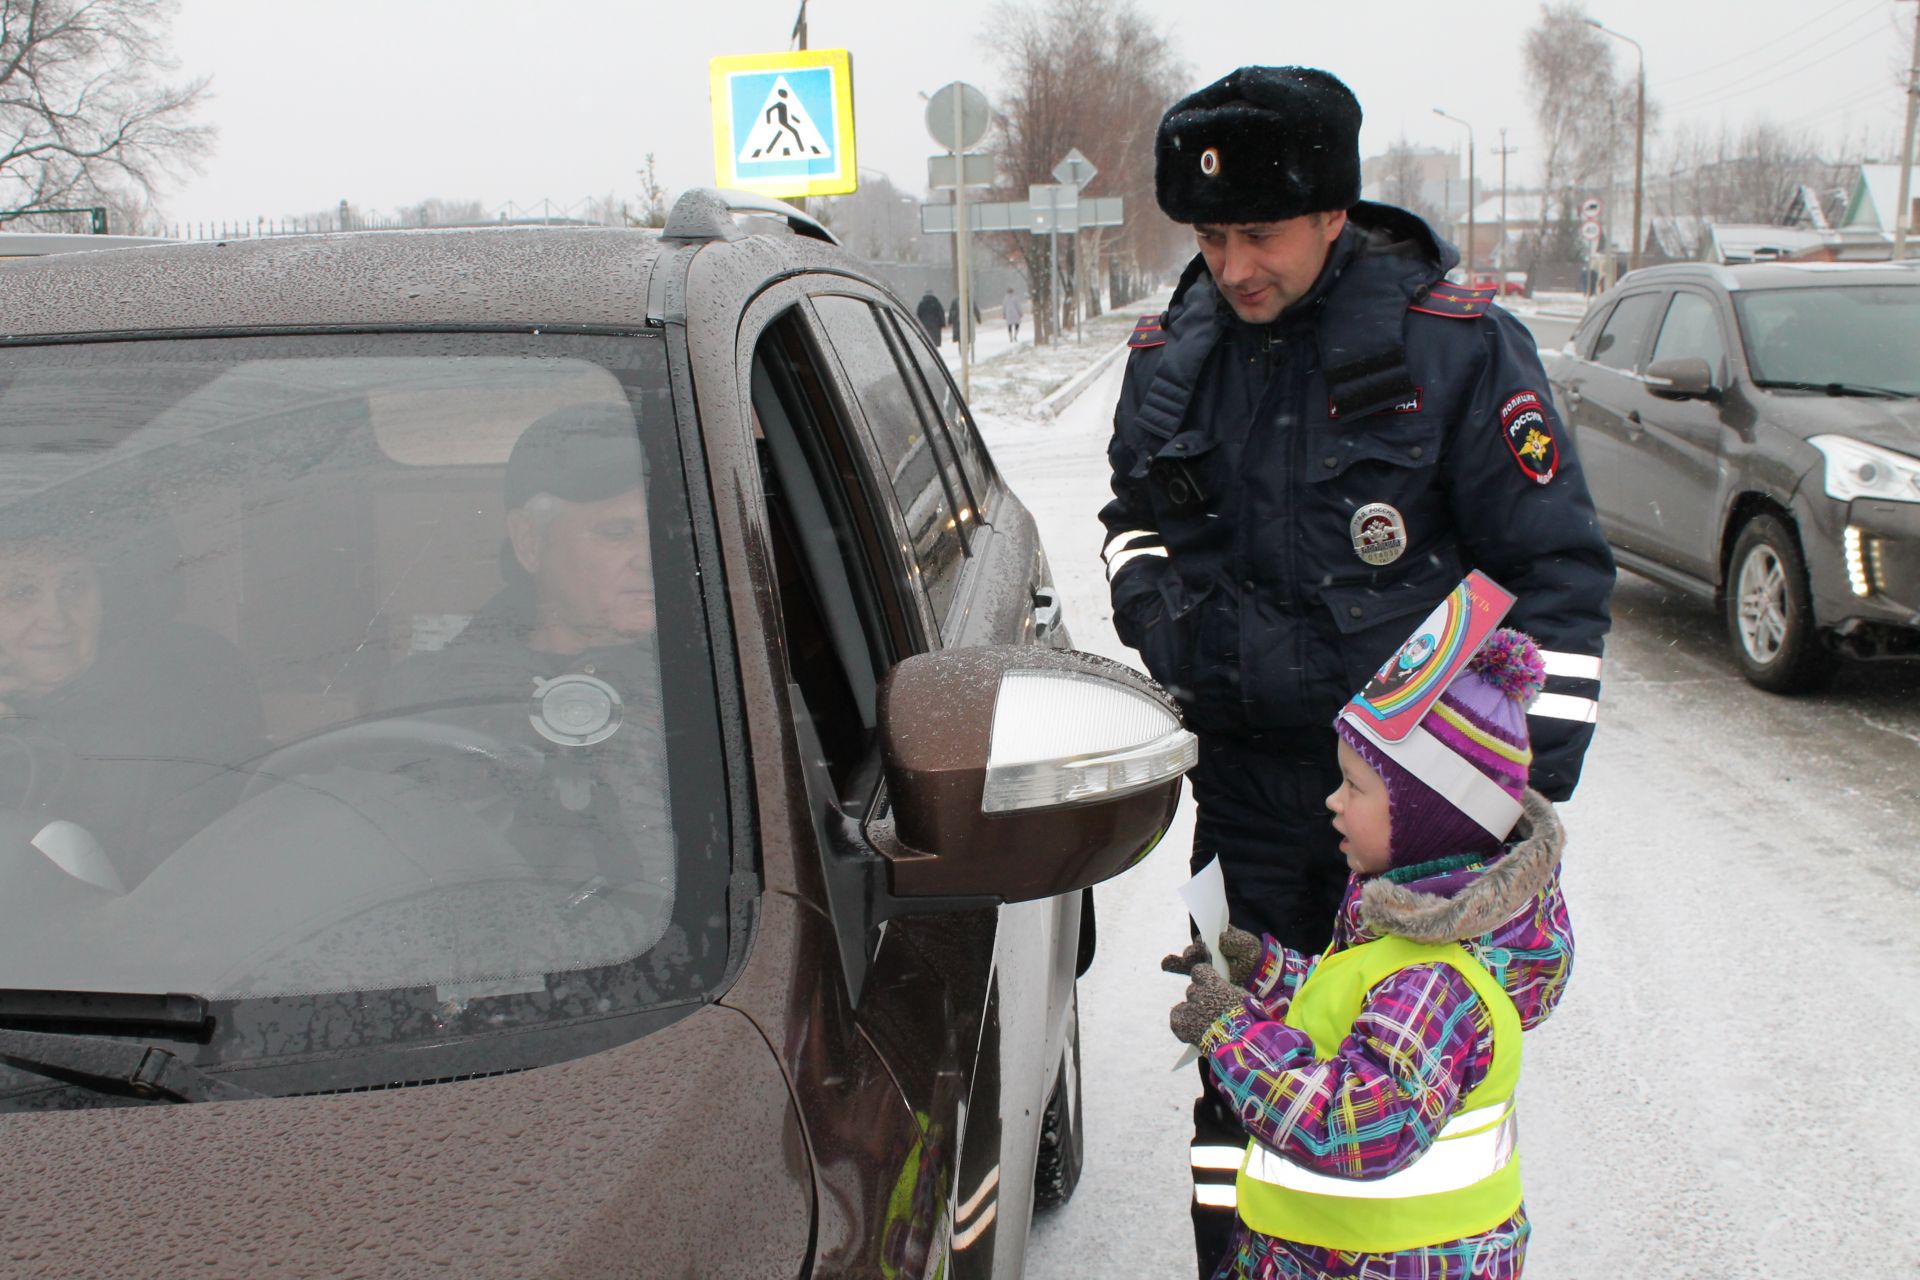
pixel 1473 1146
pixel 1120 558
pixel 1217 1195
pixel 1565 706
pixel 1119 541
pixel 1578 666
pixel 1216 1157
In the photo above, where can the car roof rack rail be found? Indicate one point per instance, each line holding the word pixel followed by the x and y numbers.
pixel 715 213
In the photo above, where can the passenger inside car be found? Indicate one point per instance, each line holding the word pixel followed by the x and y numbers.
pixel 114 716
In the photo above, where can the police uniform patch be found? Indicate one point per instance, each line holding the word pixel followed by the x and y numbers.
pixel 1147 332
pixel 1523 420
pixel 1379 533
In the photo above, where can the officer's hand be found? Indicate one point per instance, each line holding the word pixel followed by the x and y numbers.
pixel 1209 998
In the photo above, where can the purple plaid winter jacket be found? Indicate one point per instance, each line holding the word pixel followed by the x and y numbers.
pixel 1422 1041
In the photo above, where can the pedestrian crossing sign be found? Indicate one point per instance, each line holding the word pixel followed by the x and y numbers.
pixel 783 122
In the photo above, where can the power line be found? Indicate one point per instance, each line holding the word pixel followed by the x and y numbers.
pixel 1739 58
pixel 1727 92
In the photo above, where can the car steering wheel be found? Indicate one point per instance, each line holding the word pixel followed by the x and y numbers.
pixel 47 761
pixel 347 743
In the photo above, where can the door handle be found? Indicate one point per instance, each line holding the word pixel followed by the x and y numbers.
pixel 1046 614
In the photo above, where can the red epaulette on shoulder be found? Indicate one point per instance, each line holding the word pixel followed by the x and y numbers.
pixel 1454 300
pixel 1148 332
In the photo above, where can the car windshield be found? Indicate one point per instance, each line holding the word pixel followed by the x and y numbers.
pixel 335 686
pixel 1861 336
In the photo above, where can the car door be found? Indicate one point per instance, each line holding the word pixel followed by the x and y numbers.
pixel 1673 461
pixel 1010 969
pixel 1602 394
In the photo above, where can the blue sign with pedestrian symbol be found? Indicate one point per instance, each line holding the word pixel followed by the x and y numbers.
pixel 783 123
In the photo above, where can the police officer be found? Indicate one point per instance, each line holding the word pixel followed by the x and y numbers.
pixel 1313 445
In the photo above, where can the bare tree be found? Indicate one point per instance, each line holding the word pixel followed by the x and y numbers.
pixel 1403 182
pixel 1754 175
pixel 654 197
pixel 1585 115
pixel 1090 74
pixel 87 115
pixel 880 222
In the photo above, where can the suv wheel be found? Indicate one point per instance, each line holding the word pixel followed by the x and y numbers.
pixel 1062 1135
pixel 1770 611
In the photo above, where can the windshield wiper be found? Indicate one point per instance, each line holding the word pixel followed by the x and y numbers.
pixel 115 1066
pixel 1833 388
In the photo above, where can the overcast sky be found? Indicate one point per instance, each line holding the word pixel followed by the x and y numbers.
pixel 389 102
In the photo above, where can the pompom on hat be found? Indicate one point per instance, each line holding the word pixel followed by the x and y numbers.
pixel 1260 144
pixel 1454 755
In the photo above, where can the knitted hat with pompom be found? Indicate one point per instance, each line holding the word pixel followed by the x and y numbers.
pixel 1481 717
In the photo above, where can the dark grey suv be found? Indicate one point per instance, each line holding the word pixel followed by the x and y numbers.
pixel 1752 434
pixel 532 753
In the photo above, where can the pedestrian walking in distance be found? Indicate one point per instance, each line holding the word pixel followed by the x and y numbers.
pixel 1377 1080
pixel 931 316
pixel 1315 442
pixel 1010 311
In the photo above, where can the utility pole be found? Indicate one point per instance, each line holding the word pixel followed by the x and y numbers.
pixel 1903 214
pixel 1639 134
pixel 798 38
pixel 1503 152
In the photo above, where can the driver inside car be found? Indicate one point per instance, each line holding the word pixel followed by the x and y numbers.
pixel 120 725
pixel 565 657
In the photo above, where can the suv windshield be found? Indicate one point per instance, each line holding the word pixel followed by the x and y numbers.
pixel 1852 335
pixel 334 687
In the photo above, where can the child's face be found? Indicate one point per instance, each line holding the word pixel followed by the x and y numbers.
pixel 1359 808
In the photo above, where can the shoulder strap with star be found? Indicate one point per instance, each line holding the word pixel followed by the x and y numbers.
pixel 1149 332
pixel 1455 301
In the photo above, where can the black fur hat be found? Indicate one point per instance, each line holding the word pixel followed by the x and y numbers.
pixel 1259 145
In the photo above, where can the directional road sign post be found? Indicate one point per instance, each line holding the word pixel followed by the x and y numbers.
pixel 783 122
pixel 957 116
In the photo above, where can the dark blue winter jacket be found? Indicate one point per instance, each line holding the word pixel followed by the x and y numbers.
pixel 1290 498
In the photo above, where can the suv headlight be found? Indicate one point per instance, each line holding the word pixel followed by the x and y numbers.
pixel 1857 470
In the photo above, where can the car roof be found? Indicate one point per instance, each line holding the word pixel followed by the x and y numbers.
pixel 1775 275
pixel 481 277
pixel 468 277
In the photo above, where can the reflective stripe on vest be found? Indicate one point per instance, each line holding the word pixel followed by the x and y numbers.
pixel 1467 1182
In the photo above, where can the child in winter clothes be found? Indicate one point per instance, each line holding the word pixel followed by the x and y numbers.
pixel 1377 1080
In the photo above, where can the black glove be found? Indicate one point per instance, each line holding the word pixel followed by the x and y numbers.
pixel 1209 996
pixel 1241 950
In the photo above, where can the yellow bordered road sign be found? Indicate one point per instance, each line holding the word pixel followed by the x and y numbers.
pixel 783 122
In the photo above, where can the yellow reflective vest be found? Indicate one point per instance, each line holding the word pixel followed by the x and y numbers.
pixel 1467 1182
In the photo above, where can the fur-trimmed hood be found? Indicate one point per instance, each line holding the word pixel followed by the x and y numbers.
pixel 1508 910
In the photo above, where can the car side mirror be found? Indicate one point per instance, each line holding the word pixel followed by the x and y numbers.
pixel 1686 378
pixel 1019 772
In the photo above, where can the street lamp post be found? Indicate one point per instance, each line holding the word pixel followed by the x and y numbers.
pixel 1639 133
pixel 1470 190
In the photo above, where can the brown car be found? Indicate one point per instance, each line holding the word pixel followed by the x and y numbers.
pixel 532 752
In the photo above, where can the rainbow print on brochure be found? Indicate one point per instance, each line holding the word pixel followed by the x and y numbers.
pixel 1408 683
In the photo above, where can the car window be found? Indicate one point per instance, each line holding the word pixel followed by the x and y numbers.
pixel 1624 336
pixel 335 679
pixel 910 451
pixel 1857 335
pixel 972 451
pixel 1692 329
pixel 832 612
